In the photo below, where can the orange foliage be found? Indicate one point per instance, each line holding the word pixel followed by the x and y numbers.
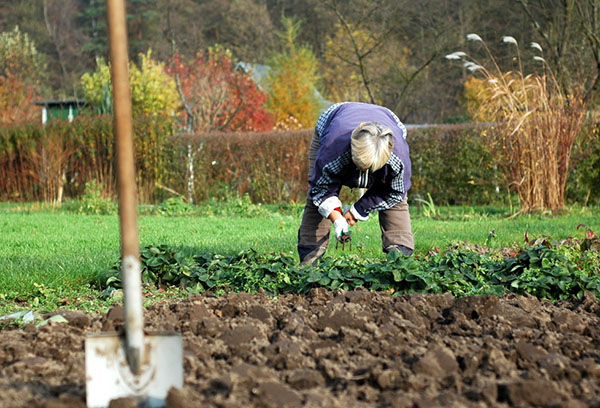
pixel 16 99
pixel 217 97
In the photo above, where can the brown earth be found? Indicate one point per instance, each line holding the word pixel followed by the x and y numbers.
pixel 336 349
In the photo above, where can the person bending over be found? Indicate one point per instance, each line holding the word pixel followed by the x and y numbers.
pixel 363 146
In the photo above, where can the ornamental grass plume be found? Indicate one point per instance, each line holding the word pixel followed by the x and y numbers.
pixel 534 124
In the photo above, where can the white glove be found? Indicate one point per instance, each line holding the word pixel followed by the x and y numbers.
pixel 341 228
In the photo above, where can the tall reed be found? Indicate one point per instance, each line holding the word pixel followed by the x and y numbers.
pixel 535 124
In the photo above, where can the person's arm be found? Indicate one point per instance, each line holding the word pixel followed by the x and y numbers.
pixel 335 214
pixel 325 193
pixel 327 183
pixel 384 194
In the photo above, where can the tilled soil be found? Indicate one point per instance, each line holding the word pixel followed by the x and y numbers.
pixel 336 349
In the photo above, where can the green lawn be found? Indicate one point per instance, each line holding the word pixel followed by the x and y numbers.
pixel 48 257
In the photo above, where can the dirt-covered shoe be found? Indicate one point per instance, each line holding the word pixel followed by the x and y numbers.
pixel 312 257
pixel 401 248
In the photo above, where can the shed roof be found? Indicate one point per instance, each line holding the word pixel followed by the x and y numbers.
pixel 56 103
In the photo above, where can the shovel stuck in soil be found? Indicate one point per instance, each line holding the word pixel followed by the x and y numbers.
pixel 137 365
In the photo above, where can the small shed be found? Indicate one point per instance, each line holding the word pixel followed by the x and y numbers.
pixel 60 109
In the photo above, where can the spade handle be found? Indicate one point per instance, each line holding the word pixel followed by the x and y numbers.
pixel 130 271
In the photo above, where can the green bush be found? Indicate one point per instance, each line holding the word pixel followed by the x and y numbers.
pixel 583 185
pixel 451 164
pixel 174 206
pixel 92 202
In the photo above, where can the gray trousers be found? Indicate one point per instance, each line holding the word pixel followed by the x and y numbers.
pixel 313 234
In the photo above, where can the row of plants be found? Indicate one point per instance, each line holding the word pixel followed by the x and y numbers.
pixel 452 164
pixel 543 268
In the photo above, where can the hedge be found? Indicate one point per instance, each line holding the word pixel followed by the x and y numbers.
pixel 54 162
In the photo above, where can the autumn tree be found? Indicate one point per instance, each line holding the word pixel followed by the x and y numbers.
pixel 354 64
pixel 16 100
pixel 216 96
pixel 21 67
pixel 291 83
pixel 153 91
pixel 569 32
pixel 355 44
pixel 19 56
pixel 381 50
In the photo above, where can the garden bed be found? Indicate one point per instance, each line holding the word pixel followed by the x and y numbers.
pixel 336 349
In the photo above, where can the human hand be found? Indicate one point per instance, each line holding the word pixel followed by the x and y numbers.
pixel 350 218
pixel 341 228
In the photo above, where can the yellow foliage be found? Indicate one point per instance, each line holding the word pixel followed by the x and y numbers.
pixel 96 84
pixel 291 84
pixel 153 91
pixel 342 82
pixel 19 56
pixel 506 96
pixel 474 88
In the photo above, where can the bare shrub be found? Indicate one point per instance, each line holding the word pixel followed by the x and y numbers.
pixel 269 166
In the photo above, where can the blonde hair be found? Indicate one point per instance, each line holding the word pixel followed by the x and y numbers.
pixel 371 145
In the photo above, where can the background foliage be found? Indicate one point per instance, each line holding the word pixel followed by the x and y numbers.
pixel 19 56
pixel 535 123
pixel 216 96
pixel 153 91
pixel 22 70
pixel 392 49
pixel 41 162
pixel 291 82
pixel 382 51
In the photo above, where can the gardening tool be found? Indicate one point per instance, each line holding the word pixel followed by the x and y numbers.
pixel 130 364
pixel 346 237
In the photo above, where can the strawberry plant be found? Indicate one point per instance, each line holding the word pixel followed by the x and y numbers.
pixel 545 269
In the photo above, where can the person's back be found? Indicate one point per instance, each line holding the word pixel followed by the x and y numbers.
pixel 358 145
